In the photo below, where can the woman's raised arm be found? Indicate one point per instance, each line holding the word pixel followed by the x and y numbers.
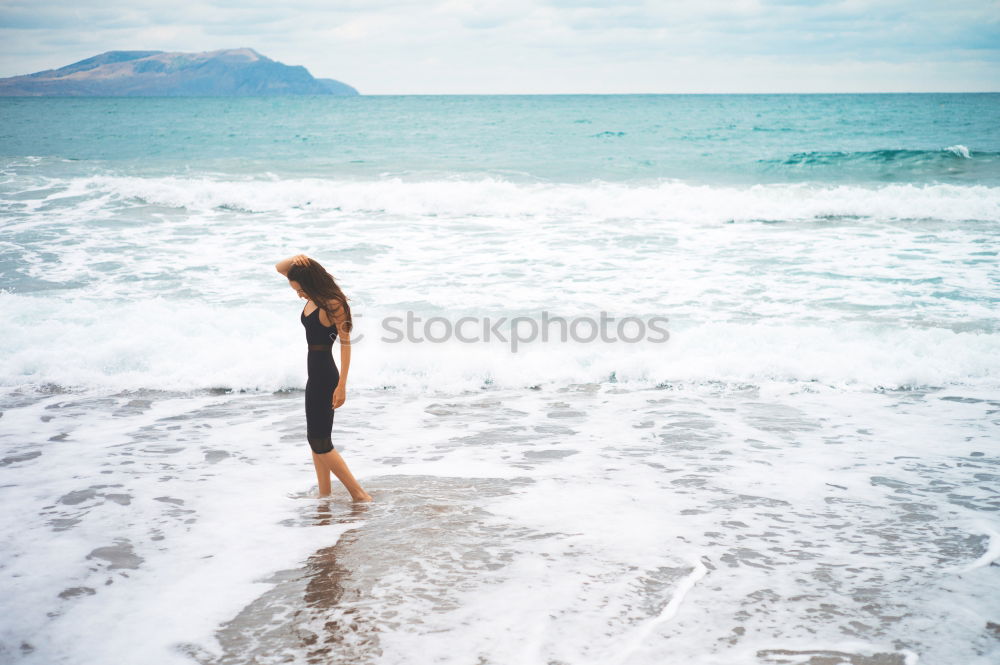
pixel 284 265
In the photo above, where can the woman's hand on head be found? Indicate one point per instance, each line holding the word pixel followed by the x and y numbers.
pixel 300 260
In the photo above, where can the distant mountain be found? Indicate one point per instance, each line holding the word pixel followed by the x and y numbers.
pixel 227 73
pixel 338 88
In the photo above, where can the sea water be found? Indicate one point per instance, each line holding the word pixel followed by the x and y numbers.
pixel 803 469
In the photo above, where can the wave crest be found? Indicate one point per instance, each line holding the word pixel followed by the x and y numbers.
pixel 672 201
pixel 900 157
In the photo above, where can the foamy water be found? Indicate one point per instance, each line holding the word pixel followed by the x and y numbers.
pixel 805 470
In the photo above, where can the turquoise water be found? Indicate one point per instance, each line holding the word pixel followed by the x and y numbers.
pixel 780 219
pixel 805 471
pixel 621 138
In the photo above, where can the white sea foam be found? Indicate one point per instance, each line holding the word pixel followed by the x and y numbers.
pixel 992 552
pixel 192 345
pixel 166 283
pixel 188 550
pixel 665 200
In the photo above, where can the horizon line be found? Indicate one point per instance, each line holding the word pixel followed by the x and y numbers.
pixel 510 94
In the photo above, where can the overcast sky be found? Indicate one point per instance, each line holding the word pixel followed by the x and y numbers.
pixel 545 46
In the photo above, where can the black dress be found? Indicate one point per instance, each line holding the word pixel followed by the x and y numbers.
pixel 323 378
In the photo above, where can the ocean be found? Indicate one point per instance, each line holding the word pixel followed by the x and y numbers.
pixel 800 466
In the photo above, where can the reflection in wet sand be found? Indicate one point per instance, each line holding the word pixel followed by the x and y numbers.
pixel 335 607
pixel 429 567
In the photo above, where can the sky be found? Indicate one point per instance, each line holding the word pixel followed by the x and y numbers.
pixel 545 46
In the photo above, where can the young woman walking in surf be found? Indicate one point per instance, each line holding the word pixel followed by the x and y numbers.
pixel 326 315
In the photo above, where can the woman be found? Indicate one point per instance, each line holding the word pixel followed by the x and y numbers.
pixel 326 313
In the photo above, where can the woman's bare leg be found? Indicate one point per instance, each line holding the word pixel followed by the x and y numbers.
pixel 336 464
pixel 322 475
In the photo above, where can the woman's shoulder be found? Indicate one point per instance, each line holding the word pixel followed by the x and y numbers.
pixel 333 313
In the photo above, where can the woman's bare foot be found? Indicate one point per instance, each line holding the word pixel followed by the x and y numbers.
pixel 363 496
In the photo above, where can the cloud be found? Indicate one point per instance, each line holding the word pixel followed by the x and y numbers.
pixel 537 46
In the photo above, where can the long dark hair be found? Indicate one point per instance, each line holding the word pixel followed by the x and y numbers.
pixel 322 289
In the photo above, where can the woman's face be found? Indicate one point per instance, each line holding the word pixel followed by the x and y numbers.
pixel 298 289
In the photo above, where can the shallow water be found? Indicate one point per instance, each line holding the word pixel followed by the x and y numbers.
pixel 588 524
